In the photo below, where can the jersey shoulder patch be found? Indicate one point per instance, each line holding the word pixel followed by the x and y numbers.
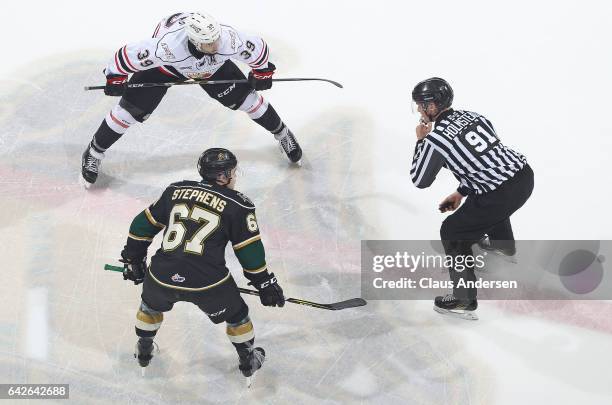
pixel 172 47
pixel 237 198
pixel 244 198
pixel 231 41
pixel 183 183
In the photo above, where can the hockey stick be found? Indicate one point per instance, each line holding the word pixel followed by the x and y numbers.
pixel 334 306
pixel 170 84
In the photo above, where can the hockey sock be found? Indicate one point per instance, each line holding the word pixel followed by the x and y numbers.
pixel 116 123
pixel 104 138
pixel 270 121
pixel 148 321
pixel 242 335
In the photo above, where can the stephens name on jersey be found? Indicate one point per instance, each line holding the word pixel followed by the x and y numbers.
pixel 198 219
pixel 170 51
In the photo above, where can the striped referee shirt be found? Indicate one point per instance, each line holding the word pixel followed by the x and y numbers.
pixel 465 143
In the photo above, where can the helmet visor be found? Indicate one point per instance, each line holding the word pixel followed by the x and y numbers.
pixel 210 48
pixel 238 171
pixel 419 107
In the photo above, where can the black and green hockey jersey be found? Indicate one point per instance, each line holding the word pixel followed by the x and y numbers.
pixel 198 220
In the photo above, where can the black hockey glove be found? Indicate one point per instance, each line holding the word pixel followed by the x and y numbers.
pixel 133 269
pixel 270 293
pixel 261 79
pixel 115 85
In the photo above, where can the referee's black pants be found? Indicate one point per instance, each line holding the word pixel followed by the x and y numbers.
pixel 482 214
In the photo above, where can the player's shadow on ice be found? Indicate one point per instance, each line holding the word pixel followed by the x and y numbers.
pixel 121 169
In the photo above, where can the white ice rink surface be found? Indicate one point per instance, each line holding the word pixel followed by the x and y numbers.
pixel 539 70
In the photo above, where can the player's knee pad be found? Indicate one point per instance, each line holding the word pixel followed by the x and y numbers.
pixel 148 321
pixel 119 119
pixel 239 315
pixel 254 105
pixel 240 332
pixel 138 114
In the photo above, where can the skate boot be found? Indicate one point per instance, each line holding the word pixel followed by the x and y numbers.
pixel 289 145
pixel 251 362
pixel 449 305
pixel 144 352
pixel 508 253
pixel 90 165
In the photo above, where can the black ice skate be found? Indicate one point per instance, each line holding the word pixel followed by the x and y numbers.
pixel 251 362
pixel 144 352
pixel 508 253
pixel 90 165
pixel 449 305
pixel 289 145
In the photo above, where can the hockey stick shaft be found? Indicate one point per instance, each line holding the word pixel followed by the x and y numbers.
pixel 205 82
pixel 354 302
pixel 335 306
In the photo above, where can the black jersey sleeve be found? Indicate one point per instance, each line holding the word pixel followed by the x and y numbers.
pixel 145 226
pixel 158 213
pixel 248 247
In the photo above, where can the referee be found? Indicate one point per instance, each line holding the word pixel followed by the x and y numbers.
pixel 495 179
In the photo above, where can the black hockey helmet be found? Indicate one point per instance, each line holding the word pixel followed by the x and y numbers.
pixel 434 90
pixel 216 161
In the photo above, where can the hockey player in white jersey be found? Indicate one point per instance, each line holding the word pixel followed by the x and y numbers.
pixel 187 46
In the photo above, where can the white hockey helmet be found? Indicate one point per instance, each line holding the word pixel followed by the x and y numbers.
pixel 202 28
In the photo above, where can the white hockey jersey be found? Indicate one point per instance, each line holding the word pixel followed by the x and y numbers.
pixel 170 51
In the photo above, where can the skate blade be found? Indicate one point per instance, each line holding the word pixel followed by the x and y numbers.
pixel 282 152
pixel 143 371
pixel 498 253
pixel 250 380
pixel 503 256
pixel 467 315
pixel 87 185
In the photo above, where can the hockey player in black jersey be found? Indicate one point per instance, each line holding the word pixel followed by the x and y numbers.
pixel 187 46
pixel 496 180
pixel 198 219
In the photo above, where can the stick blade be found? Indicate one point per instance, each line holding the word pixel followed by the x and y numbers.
pixel 467 315
pixel 335 83
pixel 352 303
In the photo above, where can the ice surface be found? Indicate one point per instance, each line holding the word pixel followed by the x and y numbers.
pixel 539 73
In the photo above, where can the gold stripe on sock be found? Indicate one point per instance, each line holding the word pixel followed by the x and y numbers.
pixel 149 322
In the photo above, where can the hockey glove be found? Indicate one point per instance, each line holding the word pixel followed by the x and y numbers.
pixel 133 269
pixel 115 85
pixel 261 79
pixel 270 293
